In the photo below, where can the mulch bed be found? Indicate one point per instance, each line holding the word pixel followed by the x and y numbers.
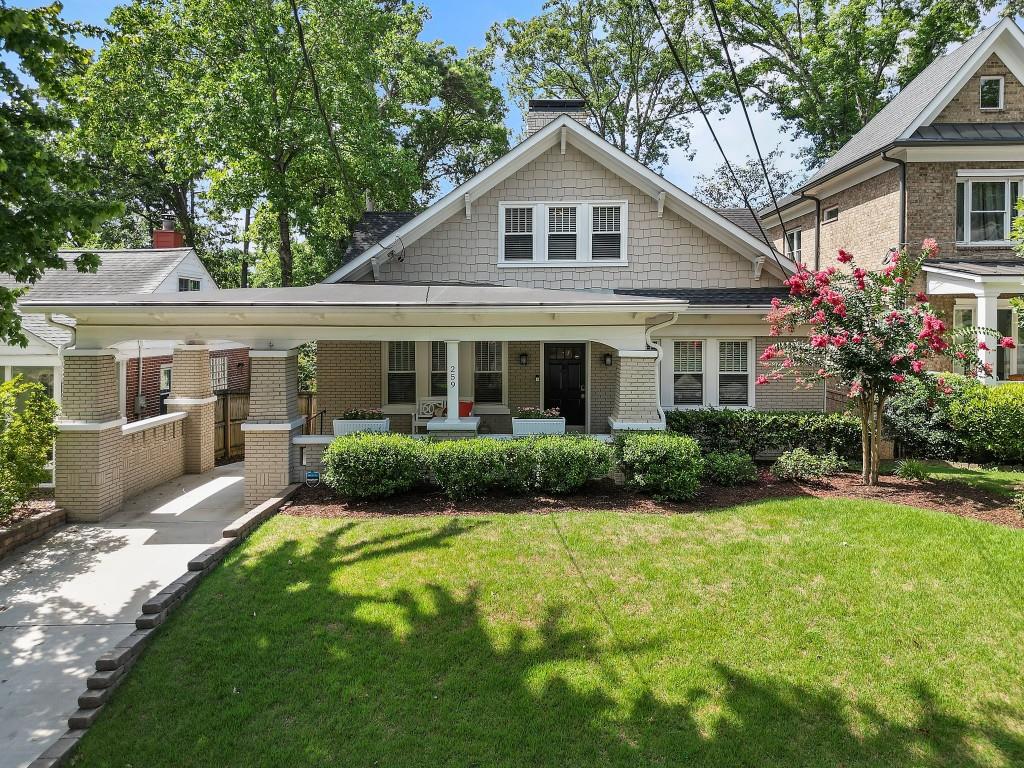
pixel 944 496
pixel 42 501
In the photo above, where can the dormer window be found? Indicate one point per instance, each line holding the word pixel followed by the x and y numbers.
pixel 555 233
pixel 992 92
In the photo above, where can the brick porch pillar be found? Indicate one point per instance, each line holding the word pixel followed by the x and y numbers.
pixel 192 393
pixel 89 453
pixel 636 392
pixel 274 420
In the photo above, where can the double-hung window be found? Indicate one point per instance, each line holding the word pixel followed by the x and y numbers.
pixel 688 373
pixel 733 373
pixel 188 284
pixel 401 372
pixel 559 232
pixel 986 207
pixel 487 372
pixel 438 369
pixel 793 244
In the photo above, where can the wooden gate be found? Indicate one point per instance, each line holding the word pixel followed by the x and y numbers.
pixel 233 409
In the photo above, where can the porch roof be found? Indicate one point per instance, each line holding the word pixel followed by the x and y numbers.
pixel 974 276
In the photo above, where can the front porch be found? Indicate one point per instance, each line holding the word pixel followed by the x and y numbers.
pixel 419 354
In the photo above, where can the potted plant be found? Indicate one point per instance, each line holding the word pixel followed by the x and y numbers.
pixel 537 421
pixel 361 420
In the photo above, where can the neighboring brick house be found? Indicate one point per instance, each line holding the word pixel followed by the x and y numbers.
pixel 945 160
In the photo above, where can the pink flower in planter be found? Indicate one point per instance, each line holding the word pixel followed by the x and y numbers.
pixel 931 245
pixel 1007 343
pixel 844 256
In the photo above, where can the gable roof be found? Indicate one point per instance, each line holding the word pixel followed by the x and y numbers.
pixel 744 219
pixel 372 228
pixel 922 98
pixel 564 128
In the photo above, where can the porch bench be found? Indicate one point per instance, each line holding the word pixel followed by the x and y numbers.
pixel 429 408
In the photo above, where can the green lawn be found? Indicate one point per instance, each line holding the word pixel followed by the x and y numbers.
pixel 791 633
pixel 995 480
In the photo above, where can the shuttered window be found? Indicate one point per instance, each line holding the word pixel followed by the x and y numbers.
pixel 606 240
pixel 438 368
pixel 733 373
pixel 401 372
pixel 688 370
pixel 487 372
pixel 562 238
pixel 518 234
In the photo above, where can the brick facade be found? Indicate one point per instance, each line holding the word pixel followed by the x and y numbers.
pixel 192 394
pixel 636 391
pixel 602 391
pixel 965 107
pixel 785 395
pixel 663 252
pixel 238 379
pixel 153 456
pixel 270 453
pixel 348 375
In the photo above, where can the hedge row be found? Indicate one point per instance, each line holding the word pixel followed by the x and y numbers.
pixel 753 432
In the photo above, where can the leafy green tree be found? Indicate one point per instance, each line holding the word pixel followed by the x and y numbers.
pixel 612 54
pixel 827 67
pixel 46 197
pixel 27 432
pixel 718 189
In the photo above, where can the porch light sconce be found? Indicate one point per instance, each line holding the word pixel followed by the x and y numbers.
pixel 524 359
pixel 608 359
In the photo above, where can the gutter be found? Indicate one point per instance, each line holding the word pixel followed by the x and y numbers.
pixel 817 228
pixel 903 194
pixel 657 364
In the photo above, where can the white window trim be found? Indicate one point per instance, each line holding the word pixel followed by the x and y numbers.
pixel 962 303
pixel 584 227
pixel 220 362
pixel 190 277
pixel 797 253
pixel 160 380
pixel 824 215
pixel 466 379
pixel 979 176
pixel 711 372
pixel 1002 92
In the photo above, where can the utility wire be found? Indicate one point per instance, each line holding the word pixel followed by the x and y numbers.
pixel 707 121
pixel 746 115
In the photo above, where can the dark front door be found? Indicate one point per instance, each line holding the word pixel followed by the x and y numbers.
pixel 565 378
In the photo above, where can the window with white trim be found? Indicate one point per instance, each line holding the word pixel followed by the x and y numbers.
pixel 165 377
pixel 963 317
pixel 794 239
pixel 487 372
pixel 991 92
pixel 688 373
pixel 438 369
pixel 517 225
pixel 219 373
pixel 187 284
pixel 733 373
pixel 557 232
pixel 401 372
pixel 986 208
pixel 830 214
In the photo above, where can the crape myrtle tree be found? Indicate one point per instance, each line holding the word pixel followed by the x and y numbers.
pixel 870 333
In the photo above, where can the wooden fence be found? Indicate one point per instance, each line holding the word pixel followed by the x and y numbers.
pixel 232 410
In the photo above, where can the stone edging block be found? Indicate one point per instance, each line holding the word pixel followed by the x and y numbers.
pixel 112 666
pixel 31 528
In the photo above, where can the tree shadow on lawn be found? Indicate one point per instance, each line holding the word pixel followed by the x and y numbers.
pixel 423 678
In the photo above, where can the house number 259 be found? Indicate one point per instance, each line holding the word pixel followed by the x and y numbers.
pixel 451 376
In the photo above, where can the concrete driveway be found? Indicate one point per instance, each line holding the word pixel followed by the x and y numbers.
pixel 70 596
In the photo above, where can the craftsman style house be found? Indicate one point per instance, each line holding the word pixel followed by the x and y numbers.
pixel 945 160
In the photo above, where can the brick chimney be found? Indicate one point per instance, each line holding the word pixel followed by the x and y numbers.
pixel 543 111
pixel 167 236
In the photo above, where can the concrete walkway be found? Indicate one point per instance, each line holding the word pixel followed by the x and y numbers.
pixel 70 596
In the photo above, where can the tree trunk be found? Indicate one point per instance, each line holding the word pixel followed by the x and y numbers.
pixel 877 439
pixel 244 277
pixel 285 254
pixel 865 439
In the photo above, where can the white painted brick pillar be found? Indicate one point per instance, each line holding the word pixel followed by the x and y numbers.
pixel 637 392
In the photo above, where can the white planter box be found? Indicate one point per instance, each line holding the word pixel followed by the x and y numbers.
pixel 523 427
pixel 348 426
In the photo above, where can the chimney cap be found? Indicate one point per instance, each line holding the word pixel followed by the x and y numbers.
pixel 167 222
pixel 557 105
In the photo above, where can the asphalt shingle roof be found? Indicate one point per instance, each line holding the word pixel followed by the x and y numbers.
pixel 1014 268
pixel 371 228
pixel 718 297
pixel 744 219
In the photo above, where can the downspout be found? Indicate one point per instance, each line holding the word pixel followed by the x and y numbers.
pixel 902 196
pixel 657 363
pixel 817 228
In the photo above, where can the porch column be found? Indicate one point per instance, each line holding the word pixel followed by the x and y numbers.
pixel 89 454
pixel 192 393
pixel 988 317
pixel 452 352
pixel 274 420
pixel 637 392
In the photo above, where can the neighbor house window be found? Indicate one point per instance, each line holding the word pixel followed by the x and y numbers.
pixel 165 377
pixel 734 373
pixel 793 244
pixel 565 231
pixel 688 369
pixel 487 372
pixel 830 214
pixel 438 368
pixel 401 372
pixel 992 93
pixel 606 237
pixel 219 373
pixel 188 284
pixel 986 208
pixel 518 237
pixel 562 233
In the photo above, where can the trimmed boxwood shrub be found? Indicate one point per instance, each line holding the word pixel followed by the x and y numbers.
pixel 919 418
pixel 728 468
pixel 666 466
pixel 373 464
pixel 755 431
pixel 989 420
pixel 801 464
pixel 566 463
pixel 477 466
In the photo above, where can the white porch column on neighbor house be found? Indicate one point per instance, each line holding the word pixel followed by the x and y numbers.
pixel 452 367
pixel 988 317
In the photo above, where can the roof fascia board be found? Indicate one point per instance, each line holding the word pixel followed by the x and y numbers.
pixel 598 149
pixel 952 153
pixel 844 178
pixel 193 258
pixel 1001 40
